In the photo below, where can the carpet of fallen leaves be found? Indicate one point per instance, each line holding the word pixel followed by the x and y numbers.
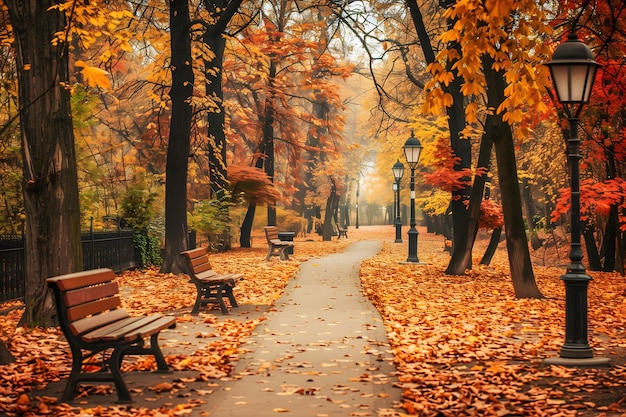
pixel 42 354
pixel 463 345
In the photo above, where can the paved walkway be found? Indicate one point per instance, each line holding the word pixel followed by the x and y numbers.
pixel 322 352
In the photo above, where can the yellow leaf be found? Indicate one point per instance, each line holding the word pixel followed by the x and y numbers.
pixel 471 88
pixel 499 8
pixel 452 35
pixel 96 77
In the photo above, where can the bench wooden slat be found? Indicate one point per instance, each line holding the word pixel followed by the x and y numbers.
pixel 208 275
pixel 82 279
pixel 87 324
pixel 152 328
pixel 129 327
pixel 94 307
pixel 85 295
pixel 195 253
pixel 101 331
pixel 199 261
pixel 231 277
pixel 203 267
pixel 272 234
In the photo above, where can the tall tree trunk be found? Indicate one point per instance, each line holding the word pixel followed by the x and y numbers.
pixel 610 231
pixel 522 274
pixel 331 207
pixel 491 248
pixel 529 210
pixel 268 140
pixel 462 149
pixel 245 232
pixel 462 251
pixel 214 38
pixel 178 146
pixel 593 256
pixel 51 202
pixel 456 119
pixel 610 239
pixel 217 138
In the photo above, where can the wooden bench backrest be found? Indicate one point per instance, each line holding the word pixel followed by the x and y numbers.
pixel 83 297
pixel 198 260
pixel 271 233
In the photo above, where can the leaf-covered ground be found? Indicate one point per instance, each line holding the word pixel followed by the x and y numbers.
pixel 463 344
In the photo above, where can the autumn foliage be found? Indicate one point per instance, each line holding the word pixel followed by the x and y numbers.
pixel 252 184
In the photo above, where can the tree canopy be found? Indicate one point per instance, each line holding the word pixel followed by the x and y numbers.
pixel 319 98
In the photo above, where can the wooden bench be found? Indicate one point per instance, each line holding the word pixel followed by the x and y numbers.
pixel 211 287
pixel 90 315
pixel 275 246
pixel 341 231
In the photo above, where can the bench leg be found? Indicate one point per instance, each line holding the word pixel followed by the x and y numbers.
pixel 283 253
pixel 228 292
pixel 72 382
pixel 220 298
pixel 158 355
pixel 123 394
pixel 113 374
pixel 274 251
pixel 196 305
pixel 154 350
pixel 213 294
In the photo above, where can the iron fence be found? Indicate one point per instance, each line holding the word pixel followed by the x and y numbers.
pixel 105 249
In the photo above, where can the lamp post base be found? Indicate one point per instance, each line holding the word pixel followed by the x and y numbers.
pixel 398 232
pixel 578 351
pixel 576 344
pixel 413 233
pixel 576 362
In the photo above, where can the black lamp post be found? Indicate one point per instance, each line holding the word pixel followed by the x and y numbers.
pixel 358 189
pixel 394 188
pixel 398 172
pixel 412 149
pixel 573 69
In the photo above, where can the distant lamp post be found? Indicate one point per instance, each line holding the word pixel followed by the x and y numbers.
pixel 412 149
pixel 398 172
pixel 358 189
pixel 573 70
pixel 394 188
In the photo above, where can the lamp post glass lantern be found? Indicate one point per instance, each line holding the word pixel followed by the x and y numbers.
pixel 573 70
pixel 398 172
pixel 412 150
